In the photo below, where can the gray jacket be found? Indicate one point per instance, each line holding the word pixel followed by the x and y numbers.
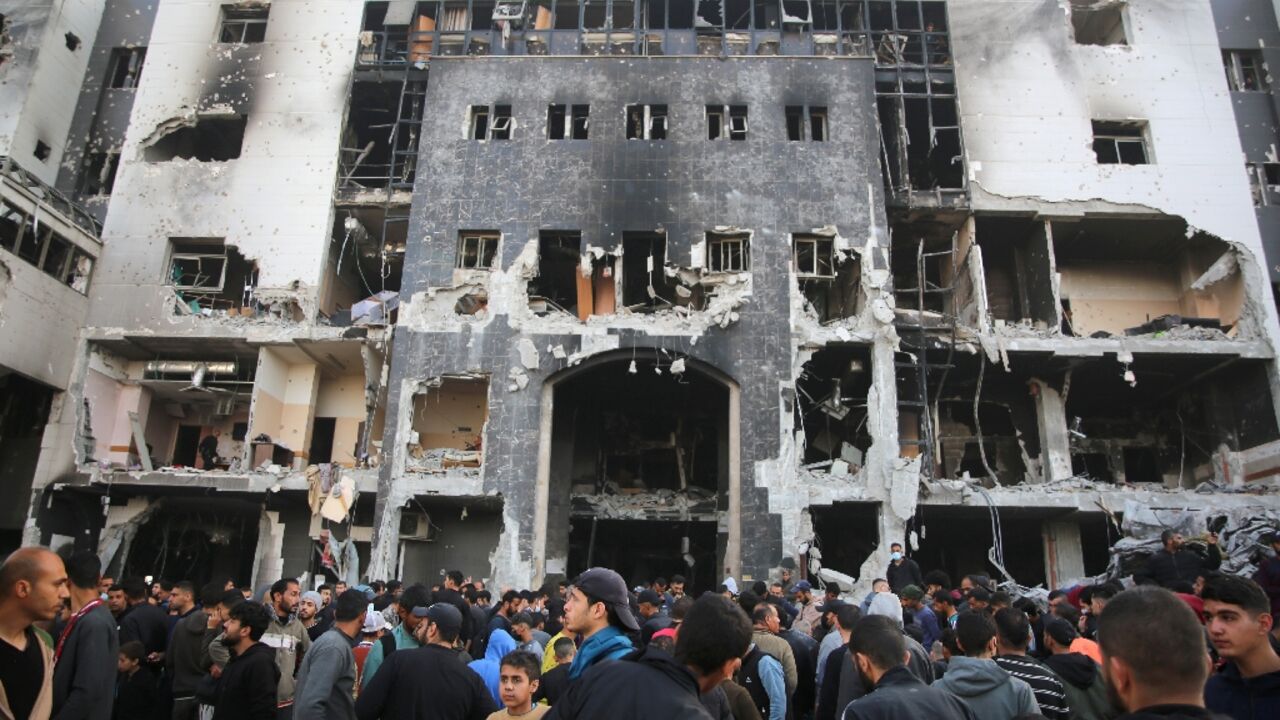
pixel 326 679
pixel 84 679
pixel 989 691
pixel 290 641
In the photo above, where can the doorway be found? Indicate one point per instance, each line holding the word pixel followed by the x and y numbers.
pixel 322 431
pixel 641 550
pixel 185 448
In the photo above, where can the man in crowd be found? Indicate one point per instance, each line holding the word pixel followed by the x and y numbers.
pixel 451 593
pixel 761 674
pixel 402 637
pixel 1153 655
pixel 1268 574
pixel 598 610
pixel 1013 633
pixel 808 615
pixel 765 627
pixel 522 631
pixel 837 636
pixel 652 616
pixel 837 673
pixel 944 608
pixel 310 604
pixel 1238 617
pixel 428 681
pixel 1082 683
pixel 977 680
pixel 879 652
pixel 85 655
pixel 117 603
pixel 142 621
pixel 248 685
pixel 651 684
pixel 1175 564
pixel 326 679
pixel 289 638
pixel 33 588
pixel 184 660
pixel 922 615
pixel 555 681
pixel 902 571
pixel 499 619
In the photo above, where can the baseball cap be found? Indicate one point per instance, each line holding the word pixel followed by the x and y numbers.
pixel 608 587
pixel 649 596
pixel 802 586
pixel 373 622
pixel 444 615
pixel 912 592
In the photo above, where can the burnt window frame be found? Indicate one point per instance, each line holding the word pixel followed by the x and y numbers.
pixel 197 250
pixel 721 122
pixel 719 250
pixel 650 114
pixel 126 67
pixel 1118 133
pixel 99 183
pixel 1234 63
pixel 243 25
pixel 821 246
pixel 487 242
pixel 810 117
pixel 574 119
pixel 491 113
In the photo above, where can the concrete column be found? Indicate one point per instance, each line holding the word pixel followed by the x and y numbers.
pixel 133 398
pixel 1063 553
pixel 1055 439
pixel 299 412
pixel 268 564
pixel 383 555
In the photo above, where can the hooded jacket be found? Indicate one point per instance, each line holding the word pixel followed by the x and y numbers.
pixel 899 695
pixel 987 689
pixel 608 643
pixel 645 684
pixel 1083 684
pixel 489 668
pixel 1242 698
pixel 184 660
pixel 247 689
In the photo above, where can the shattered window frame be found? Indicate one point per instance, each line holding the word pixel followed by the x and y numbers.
pixel 1119 139
pixel 820 250
pixel 1099 22
pixel 727 122
pixel 728 252
pixel 1246 71
pixel 243 25
pixel 77 265
pixel 193 253
pixel 568 122
pixel 98 173
pixel 483 122
pixel 647 121
pixel 126 67
pixel 477 249
pixel 807 123
pixel 1264 183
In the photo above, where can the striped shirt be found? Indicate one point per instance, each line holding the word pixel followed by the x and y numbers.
pixel 1045 685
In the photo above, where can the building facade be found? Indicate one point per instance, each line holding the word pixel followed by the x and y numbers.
pixel 698 288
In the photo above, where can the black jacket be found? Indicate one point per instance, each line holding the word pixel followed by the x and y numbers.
pixel 900 576
pixel 1172 712
pixel 426 683
pixel 147 624
pixel 136 696
pixel 805 649
pixel 901 696
pixel 85 677
pixel 183 660
pixel 1231 693
pixel 553 684
pixel 644 685
pixel 1166 568
pixel 247 689
pixel 454 598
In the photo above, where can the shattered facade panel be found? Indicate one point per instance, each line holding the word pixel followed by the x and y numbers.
pixel 694 288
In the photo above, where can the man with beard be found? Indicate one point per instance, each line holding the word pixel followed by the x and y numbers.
pixel 310 615
pixel 1174 563
pixel 879 652
pixel 289 638
pixel 1153 655
pixel 247 690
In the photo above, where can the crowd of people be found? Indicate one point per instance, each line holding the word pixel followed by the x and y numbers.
pixel 1184 641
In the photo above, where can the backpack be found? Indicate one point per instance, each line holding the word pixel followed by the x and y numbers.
pixel 388 645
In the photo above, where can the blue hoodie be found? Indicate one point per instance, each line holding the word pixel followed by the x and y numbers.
pixel 607 644
pixel 490 668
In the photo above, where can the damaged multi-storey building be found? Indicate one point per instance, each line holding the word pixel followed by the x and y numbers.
pixel 673 286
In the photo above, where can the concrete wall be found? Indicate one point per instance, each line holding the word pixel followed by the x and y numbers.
pixel 273 203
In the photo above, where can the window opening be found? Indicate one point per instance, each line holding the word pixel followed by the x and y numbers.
pixel 728 253
pixel 477 250
pixel 1098 22
pixel 568 122
pixel 1245 71
pixel 806 123
pixel 490 123
pixel 243 25
pixel 646 122
pixel 1120 143
pixel 98 174
pixel 126 67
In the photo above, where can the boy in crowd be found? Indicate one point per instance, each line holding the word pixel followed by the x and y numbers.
pixel 518 681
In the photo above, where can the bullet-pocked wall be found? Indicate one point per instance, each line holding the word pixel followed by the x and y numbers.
pixel 232 150
pixel 670 193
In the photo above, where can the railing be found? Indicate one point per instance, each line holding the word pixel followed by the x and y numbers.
pixel 51 197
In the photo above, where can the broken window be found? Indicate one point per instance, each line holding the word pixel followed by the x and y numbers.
pixel 98 173
pixel 921 136
pixel 1098 22
pixel 831 409
pixel 42 150
pixel 1264 182
pixel 380 142
pixel 210 139
pixel 38 244
pixel 489 123
pixel 1245 71
pixel 727 121
pixel 1017 268
pixel 806 122
pixel 728 252
pixel 813 256
pixel 126 67
pixel 559 281
pixel 568 122
pixel 646 122
pixel 645 285
pixel 243 24
pixel 209 276
pixel 1120 143
pixel 449 416
pixel 477 250
pixel 829 284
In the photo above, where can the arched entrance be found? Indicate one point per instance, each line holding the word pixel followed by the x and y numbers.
pixel 639 469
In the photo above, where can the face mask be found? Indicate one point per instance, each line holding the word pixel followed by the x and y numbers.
pixel 895 556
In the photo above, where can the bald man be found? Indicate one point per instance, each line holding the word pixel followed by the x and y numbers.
pixel 33 588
